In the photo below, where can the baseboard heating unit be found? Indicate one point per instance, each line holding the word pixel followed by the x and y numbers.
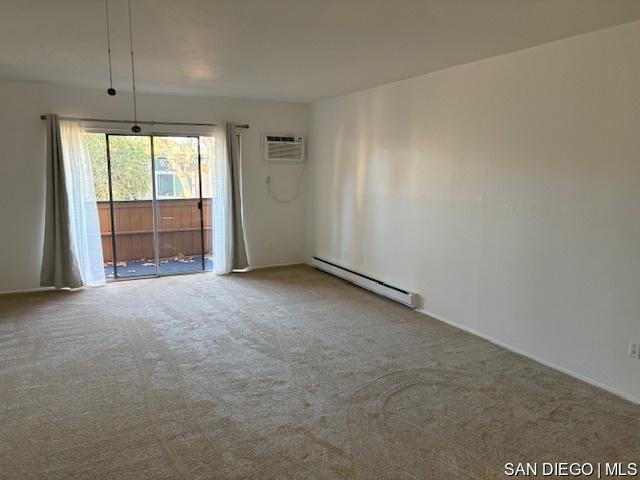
pixel 394 293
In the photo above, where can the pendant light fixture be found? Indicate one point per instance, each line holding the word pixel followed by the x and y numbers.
pixel 111 91
pixel 136 128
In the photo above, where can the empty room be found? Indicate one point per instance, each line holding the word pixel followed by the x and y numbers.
pixel 319 239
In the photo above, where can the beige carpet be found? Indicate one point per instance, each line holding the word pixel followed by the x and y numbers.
pixel 277 374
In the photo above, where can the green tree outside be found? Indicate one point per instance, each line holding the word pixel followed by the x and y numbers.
pixel 131 168
pixel 181 154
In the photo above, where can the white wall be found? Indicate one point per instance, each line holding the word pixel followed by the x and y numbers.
pixel 275 232
pixel 505 192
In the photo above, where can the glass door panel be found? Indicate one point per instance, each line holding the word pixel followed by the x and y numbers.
pixel 132 206
pixel 97 148
pixel 178 204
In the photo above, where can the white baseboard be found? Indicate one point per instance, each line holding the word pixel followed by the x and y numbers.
pixel 258 267
pixel 546 363
pixel 288 264
pixel 26 290
pixel 394 293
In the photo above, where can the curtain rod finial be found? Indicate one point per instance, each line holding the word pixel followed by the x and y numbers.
pixel 43 116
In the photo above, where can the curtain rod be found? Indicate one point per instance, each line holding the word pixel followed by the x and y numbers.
pixel 102 120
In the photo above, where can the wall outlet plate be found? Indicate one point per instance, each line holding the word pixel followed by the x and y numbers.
pixel 634 348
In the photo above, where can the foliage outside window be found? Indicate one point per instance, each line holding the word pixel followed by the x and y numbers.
pixel 176 166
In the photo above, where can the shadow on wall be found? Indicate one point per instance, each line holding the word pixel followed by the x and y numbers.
pixel 364 177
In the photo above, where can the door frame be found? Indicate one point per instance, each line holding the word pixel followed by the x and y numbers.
pixel 154 205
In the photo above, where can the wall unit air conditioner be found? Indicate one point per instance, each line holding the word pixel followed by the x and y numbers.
pixel 283 148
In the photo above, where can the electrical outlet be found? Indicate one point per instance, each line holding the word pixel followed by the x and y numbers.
pixel 634 348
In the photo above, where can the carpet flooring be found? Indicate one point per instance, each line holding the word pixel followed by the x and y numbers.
pixel 283 373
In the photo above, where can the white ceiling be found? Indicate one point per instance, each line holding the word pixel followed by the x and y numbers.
pixel 298 50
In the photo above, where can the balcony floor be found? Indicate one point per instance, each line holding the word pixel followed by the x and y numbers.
pixel 168 266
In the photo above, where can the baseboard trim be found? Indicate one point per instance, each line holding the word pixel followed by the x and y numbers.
pixel 273 265
pixel 27 290
pixel 367 282
pixel 258 267
pixel 535 358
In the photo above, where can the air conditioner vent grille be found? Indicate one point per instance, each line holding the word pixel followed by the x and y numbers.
pixel 280 139
pixel 289 152
pixel 283 148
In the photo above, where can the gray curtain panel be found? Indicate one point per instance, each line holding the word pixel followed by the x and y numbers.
pixel 239 257
pixel 60 268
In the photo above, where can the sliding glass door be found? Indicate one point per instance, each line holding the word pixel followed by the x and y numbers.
pixel 149 190
pixel 178 204
pixel 131 206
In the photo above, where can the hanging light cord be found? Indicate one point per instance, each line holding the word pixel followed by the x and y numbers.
pixel 111 90
pixel 135 128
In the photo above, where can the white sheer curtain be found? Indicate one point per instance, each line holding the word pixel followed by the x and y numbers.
pixel 72 253
pixel 221 196
pixel 84 225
